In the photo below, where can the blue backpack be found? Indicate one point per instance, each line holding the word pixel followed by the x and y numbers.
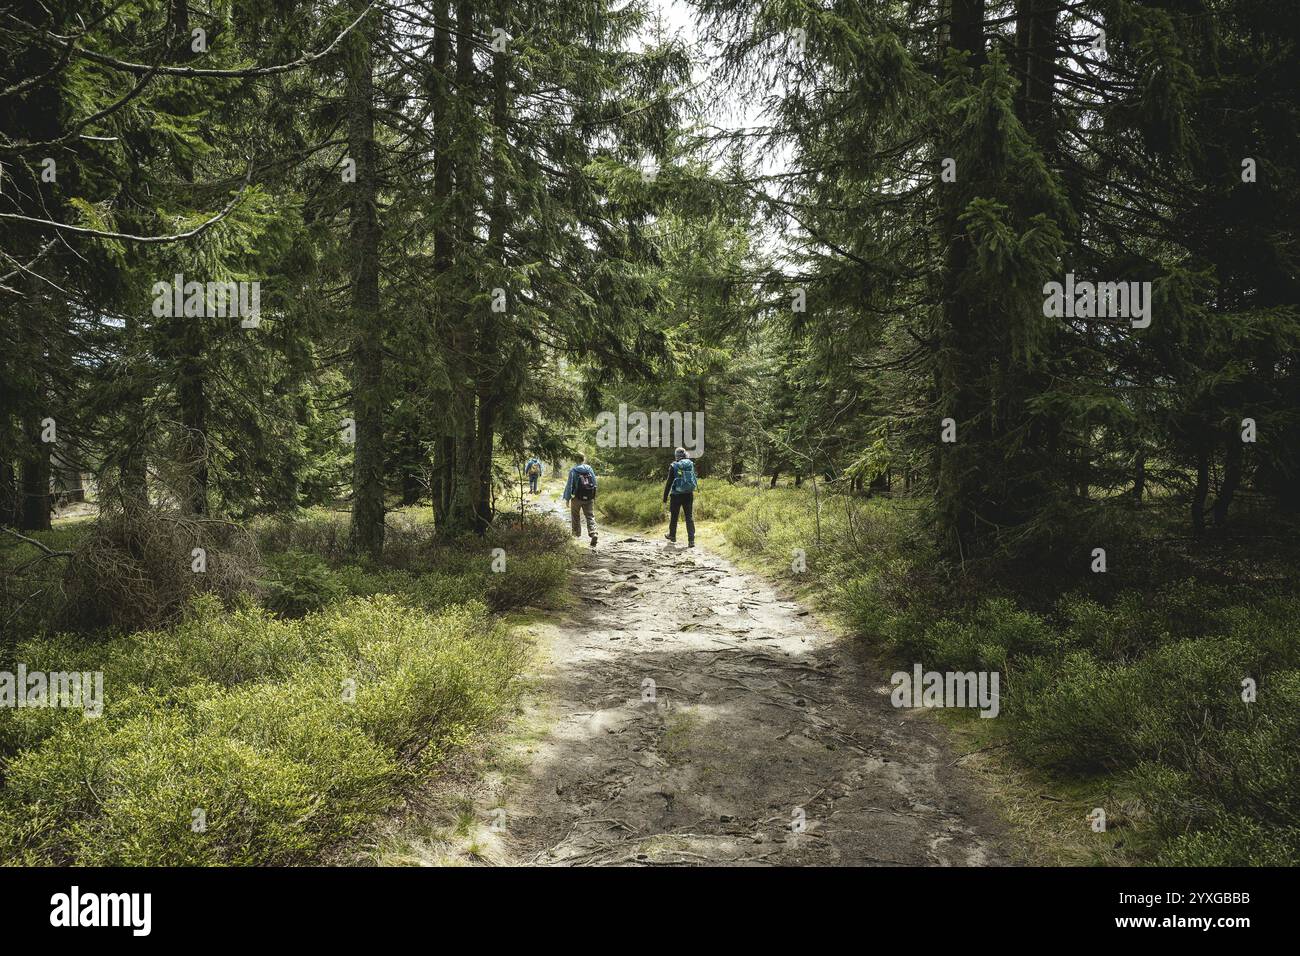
pixel 683 477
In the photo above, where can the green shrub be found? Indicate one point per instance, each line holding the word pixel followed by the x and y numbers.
pixel 423 683
pixel 291 726
pixel 1233 841
pixel 995 637
pixel 639 504
pixel 1076 715
pixel 300 582
pixel 529 580
pixel 1179 707
pixel 435 575
pixel 1191 692
pixel 1269 625
pixel 864 602
pixel 1117 633
pixel 127 793
pixel 289 735
pixel 535 534
pixel 1235 759
pixel 315 531
pixel 633 507
pixel 21 728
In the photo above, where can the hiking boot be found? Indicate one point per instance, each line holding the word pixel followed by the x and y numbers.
pixel 690 544
pixel 593 540
pixel 669 537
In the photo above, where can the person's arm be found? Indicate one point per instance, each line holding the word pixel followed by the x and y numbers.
pixel 669 483
pixel 568 486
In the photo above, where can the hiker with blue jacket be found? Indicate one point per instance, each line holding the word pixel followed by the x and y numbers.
pixel 533 469
pixel 681 487
pixel 580 494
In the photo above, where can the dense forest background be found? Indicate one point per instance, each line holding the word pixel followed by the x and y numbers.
pixel 475 225
pixel 472 232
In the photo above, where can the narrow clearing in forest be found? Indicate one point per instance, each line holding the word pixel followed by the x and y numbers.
pixel 760 713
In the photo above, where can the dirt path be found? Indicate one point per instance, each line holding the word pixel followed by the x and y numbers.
pixel 760 719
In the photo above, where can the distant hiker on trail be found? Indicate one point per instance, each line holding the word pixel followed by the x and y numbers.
pixel 581 488
pixel 534 471
pixel 681 486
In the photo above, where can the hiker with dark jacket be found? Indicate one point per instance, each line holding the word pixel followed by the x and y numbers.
pixel 580 494
pixel 681 487
pixel 533 469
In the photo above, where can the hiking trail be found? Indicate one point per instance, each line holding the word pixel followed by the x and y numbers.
pixel 758 714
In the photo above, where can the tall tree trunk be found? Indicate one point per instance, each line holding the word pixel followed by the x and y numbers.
pixel 34 479
pixel 444 448
pixel 460 358
pixel 1232 460
pixel 444 470
pixel 961 465
pixel 194 416
pixel 27 370
pixel 192 386
pixel 1036 64
pixel 701 467
pixel 1036 50
pixel 367 531
pixel 129 454
pixel 487 406
pixel 181 30
pixel 408 463
pixel 489 384
pixel 1084 469
pixel 8 490
pixel 1201 491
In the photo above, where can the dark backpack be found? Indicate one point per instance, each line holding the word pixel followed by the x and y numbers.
pixel 584 489
pixel 683 477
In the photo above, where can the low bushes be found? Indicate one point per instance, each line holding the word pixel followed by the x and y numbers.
pixel 308 567
pixel 639 504
pixel 272 724
pixel 275 743
pixel 301 583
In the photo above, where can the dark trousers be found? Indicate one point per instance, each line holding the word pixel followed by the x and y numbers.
pixel 579 508
pixel 684 503
pixel 532 483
